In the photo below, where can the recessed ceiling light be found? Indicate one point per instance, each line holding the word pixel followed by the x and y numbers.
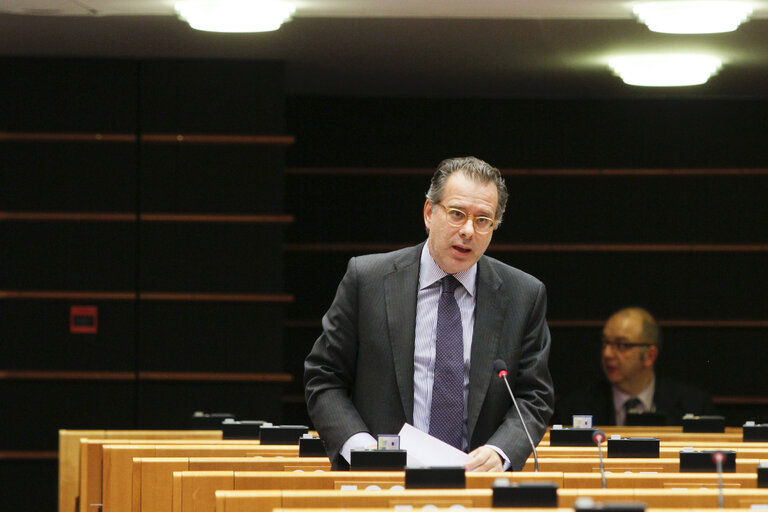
pixel 704 17
pixel 234 15
pixel 665 70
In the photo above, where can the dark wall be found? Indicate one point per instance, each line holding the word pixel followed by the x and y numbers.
pixel 659 203
pixel 176 240
pixel 691 246
pixel 529 133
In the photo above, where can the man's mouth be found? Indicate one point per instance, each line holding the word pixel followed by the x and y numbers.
pixel 463 250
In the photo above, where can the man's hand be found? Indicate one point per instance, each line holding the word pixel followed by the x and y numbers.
pixel 484 459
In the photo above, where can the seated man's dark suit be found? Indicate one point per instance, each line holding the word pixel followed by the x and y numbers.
pixel 671 398
pixel 359 375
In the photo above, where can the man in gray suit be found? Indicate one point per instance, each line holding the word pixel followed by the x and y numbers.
pixel 375 366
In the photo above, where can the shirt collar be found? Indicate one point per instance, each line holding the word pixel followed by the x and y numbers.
pixel 645 396
pixel 430 272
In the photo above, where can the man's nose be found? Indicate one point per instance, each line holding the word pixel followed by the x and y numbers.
pixel 468 229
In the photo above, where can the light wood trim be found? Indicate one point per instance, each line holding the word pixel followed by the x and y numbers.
pixel 417 171
pixel 149 296
pixel 302 323
pixel 342 247
pixel 65 295
pixel 219 377
pixel 28 455
pixel 221 297
pixel 161 138
pixel 69 216
pixel 270 140
pixel 708 323
pixel 145 217
pixel 65 375
pixel 630 247
pixel 358 171
pixel 740 400
pixel 358 247
pixel 200 217
pixel 144 376
pixel 66 137
pixel 621 465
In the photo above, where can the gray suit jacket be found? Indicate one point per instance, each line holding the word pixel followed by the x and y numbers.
pixel 359 375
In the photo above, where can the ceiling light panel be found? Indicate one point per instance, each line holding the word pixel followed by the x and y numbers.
pixel 235 15
pixel 674 70
pixel 703 17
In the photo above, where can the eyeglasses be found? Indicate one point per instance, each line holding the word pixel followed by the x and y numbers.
pixel 457 218
pixel 620 346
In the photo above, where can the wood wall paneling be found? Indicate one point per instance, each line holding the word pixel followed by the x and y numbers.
pixel 163 404
pixel 212 97
pixel 603 208
pixel 69 95
pixel 529 133
pixel 216 337
pixel 64 176
pixel 36 335
pixel 39 493
pixel 223 178
pixel 154 191
pixel 69 255
pixel 188 257
pixel 41 407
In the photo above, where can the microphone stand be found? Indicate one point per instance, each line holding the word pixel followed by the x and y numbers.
pixel 719 457
pixel 503 375
pixel 598 437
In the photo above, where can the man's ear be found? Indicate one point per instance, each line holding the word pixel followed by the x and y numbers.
pixel 650 356
pixel 427 214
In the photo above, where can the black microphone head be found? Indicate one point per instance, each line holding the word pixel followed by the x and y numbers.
pixel 499 365
pixel 598 436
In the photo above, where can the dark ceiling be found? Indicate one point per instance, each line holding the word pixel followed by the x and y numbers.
pixel 439 57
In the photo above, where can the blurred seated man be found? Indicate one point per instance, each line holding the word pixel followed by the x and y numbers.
pixel 630 345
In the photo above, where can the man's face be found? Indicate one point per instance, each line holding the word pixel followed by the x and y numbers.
pixel 625 368
pixel 458 248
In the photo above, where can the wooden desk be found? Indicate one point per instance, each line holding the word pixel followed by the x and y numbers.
pixel 620 465
pixel 69 454
pixel 731 434
pixel 666 450
pixel 152 482
pixel 92 461
pixel 195 491
pixel 117 464
pixel 268 501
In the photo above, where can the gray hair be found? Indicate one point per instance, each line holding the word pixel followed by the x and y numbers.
pixel 473 168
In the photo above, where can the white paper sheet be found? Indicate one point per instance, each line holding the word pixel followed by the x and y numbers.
pixel 425 450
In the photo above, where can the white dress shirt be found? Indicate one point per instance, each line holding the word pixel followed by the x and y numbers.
pixel 427 302
pixel 645 397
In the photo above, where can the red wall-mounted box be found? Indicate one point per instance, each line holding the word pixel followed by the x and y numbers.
pixel 84 319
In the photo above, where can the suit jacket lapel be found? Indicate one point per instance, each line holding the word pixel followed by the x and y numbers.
pixel 489 314
pixel 666 401
pixel 400 294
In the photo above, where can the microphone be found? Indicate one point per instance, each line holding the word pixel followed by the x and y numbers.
pixel 719 458
pixel 500 367
pixel 598 436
